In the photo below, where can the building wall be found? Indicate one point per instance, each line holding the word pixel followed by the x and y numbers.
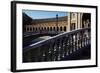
pixel 48 26
pixel 72 22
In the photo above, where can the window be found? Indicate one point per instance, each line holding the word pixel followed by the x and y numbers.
pixel 73 15
pixel 57 28
pixel 27 28
pixel 44 28
pixel 64 28
pixel 54 28
pixel 50 28
pixel 60 28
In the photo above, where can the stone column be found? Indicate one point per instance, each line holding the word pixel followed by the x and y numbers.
pixel 81 14
pixel 79 20
pixel 69 22
pixel 76 20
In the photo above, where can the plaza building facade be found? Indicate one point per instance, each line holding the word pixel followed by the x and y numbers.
pixel 67 23
pixel 58 24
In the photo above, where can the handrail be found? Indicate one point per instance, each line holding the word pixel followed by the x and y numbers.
pixel 59 47
pixel 40 43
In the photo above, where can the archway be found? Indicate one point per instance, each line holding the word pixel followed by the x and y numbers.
pixel 85 17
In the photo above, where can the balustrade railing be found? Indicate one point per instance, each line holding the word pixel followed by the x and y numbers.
pixel 57 47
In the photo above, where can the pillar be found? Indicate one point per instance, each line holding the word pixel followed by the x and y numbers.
pixel 69 21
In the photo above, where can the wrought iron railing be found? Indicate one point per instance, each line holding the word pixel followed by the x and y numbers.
pixel 57 47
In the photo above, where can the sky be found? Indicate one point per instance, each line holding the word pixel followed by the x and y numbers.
pixel 37 14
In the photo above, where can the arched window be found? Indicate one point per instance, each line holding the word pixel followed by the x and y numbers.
pixel 54 28
pixel 60 28
pixel 27 28
pixel 57 28
pixel 44 28
pixel 72 15
pixel 64 28
pixel 50 28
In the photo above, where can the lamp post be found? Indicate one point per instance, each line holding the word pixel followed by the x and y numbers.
pixel 57 23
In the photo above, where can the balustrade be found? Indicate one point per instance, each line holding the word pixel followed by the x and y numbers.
pixel 57 47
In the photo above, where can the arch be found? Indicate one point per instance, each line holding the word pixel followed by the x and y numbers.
pixel 30 28
pixel 60 28
pixel 44 28
pixel 53 28
pixel 64 28
pixel 50 28
pixel 27 28
pixel 57 28
pixel 85 17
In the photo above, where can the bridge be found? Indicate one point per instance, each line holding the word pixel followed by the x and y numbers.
pixel 72 45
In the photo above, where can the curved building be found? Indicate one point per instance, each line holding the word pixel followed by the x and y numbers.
pixel 49 24
pixel 70 22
